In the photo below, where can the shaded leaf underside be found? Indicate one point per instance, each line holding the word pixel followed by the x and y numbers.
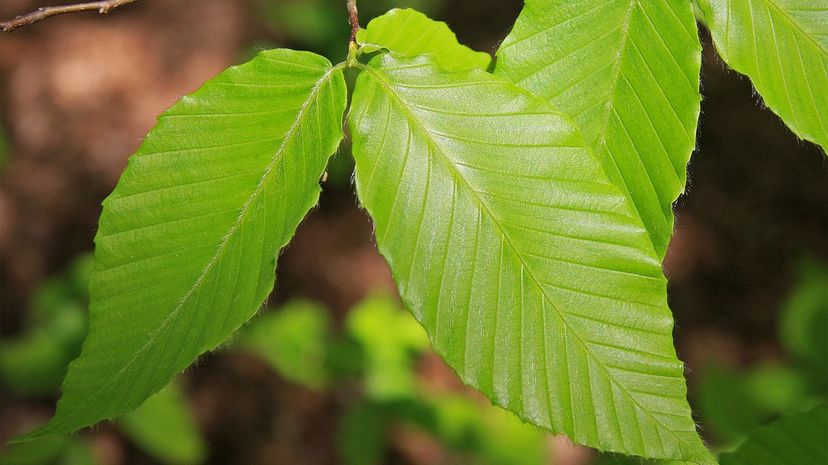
pixel 527 267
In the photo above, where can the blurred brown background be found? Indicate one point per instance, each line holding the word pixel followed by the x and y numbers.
pixel 78 92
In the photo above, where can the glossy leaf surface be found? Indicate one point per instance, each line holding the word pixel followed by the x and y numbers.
pixel 410 33
pixel 782 45
pixel 187 243
pixel 526 265
pixel 628 73
pixel 801 439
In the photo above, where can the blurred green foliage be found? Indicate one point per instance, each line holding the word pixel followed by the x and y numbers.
pixel 733 402
pixel 800 439
pixel 803 329
pixel 164 427
pixel 294 341
pixel 33 364
pixel 380 348
pixel 50 450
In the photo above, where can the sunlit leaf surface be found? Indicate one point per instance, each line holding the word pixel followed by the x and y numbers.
pixel 782 45
pixel 187 243
pixel 627 72
pixel 532 275
pixel 410 33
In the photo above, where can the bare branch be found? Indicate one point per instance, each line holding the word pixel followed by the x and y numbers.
pixel 353 18
pixel 40 14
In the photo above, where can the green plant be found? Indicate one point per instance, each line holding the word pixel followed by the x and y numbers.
pixel 33 364
pixel 379 350
pixel 734 402
pixel 798 439
pixel 524 210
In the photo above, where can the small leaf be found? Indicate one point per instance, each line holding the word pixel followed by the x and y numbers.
pixel 187 243
pixel 627 72
pixel 525 264
pixel 410 33
pixel 800 439
pixel 165 428
pixel 782 45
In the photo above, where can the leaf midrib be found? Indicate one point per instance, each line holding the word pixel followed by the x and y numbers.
pixel 484 207
pixel 610 109
pixel 269 169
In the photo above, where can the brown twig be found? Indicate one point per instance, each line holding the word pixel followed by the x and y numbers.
pixel 40 14
pixel 353 18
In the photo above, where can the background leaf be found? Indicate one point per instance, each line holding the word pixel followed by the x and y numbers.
pixel 782 45
pixel 804 320
pixel 35 361
pixel 628 73
pixel 165 428
pixel 410 33
pixel 294 340
pixel 389 338
pixel 52 450
pixel 524 263
pixel 801 439
pixel 187 242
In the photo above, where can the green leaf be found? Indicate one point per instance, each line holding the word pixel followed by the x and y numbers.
pixel 410 33
pixel 294 340
pixel 782 45
pixel 797 439
pixel 525 264
pixel 187 243
pixel 165 428
pixel 54 450
pixel 628 73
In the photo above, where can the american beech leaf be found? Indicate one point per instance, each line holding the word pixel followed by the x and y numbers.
pixel 187 242
pixel 782 45
pixel 410 33
pixel 526 265
pixel 627 72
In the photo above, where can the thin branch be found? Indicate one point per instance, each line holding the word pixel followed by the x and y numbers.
pixel 40 14
pixel 353 18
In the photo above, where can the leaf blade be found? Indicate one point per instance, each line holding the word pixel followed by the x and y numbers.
pixel 782 45
pixel 506 258
pixel 410 33
pixel 187 243
pixel 627 73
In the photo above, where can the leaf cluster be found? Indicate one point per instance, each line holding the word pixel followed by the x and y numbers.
pixel 524 208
